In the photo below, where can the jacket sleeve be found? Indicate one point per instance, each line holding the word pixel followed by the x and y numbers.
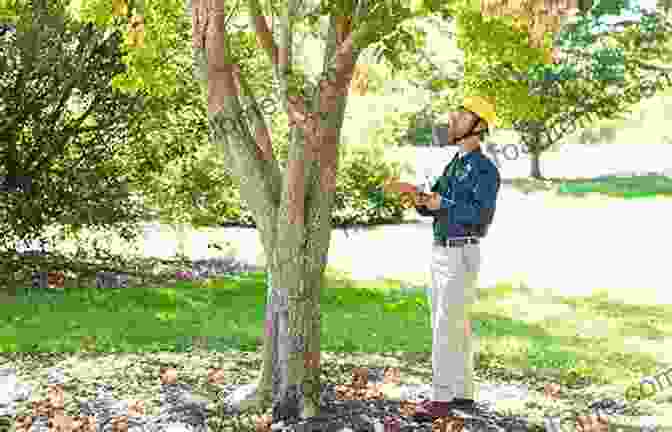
pixel 481 209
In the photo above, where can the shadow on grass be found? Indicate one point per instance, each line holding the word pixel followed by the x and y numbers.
pixel 601 303
pixel 229 315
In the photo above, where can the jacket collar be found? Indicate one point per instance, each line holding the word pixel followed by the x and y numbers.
pixel 473 153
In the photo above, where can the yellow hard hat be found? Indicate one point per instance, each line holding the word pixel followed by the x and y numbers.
pixel 482 107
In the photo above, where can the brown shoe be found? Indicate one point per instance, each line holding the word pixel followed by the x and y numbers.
pixel 431 410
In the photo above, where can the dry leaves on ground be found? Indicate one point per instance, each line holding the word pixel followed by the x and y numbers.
pixel 593 423
pixel 53 408
pixel 358 389
pixel 552 390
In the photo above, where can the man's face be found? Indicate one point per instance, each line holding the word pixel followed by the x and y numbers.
pixel 459 123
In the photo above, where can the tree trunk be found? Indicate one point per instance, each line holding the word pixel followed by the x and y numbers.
pixel 181 234
pixel 295 264
pixel 8 293
pixel 290 376
pixel 535 167
pixel 292 208
pixel 8 287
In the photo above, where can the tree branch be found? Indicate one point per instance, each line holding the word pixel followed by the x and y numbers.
pixel 262 136
pixel 84 41
pixel 294 190
pixel 239 147
pixel 264 34
pixel 285 56
pixel 75 129
pixel 294 106
pixel 323 146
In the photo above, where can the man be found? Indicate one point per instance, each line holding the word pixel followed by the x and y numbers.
pixel 462 203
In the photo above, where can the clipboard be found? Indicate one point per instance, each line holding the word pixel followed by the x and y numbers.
pixel 407 190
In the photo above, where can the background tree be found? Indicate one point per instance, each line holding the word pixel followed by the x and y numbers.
pixel 531 93
pixel 505 59
pixel 62 127
pixel 616 71
pixel 664 5
pixel 75 150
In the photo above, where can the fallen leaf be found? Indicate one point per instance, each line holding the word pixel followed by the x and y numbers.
pixel 593 423
pixel 263 423
pixel 551 390
pixel 59 422
pixel 311 360
pixel 56 396
pixel 407 408
pixel 168 375
pixel 23 422
pixel 56 280
pixel 216 376
pixel 360 378
pixel 120 424
pixel 392 375
pixel 136 407
pixel 86 423
pixel 448 424
pixel 41 408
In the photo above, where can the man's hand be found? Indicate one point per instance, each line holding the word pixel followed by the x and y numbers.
pixel 434 201
pixel 421 199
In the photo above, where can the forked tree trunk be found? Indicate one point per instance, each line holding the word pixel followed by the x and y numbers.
pixel 292 209
pixel 295 262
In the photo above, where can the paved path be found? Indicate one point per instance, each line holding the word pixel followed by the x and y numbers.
pixel 565 245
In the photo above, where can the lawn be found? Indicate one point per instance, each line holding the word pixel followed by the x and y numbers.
pixel 229 313
pixel 644 186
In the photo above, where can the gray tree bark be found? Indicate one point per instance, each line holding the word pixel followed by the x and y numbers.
pixel 292 207
pixel 290 378
pixel 532 142
pixel 535 166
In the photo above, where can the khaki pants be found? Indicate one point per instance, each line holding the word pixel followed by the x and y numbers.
pixel 454 273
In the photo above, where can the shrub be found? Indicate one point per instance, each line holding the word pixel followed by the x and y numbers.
pixel 360 175
pixel 200 192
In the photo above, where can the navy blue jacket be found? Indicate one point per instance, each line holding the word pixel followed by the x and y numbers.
pixel 468 189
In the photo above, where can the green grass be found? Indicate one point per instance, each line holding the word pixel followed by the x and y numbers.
pixel 231 313
pixel 644 186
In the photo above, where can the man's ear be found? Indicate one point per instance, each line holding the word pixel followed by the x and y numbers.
pixel 483 129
